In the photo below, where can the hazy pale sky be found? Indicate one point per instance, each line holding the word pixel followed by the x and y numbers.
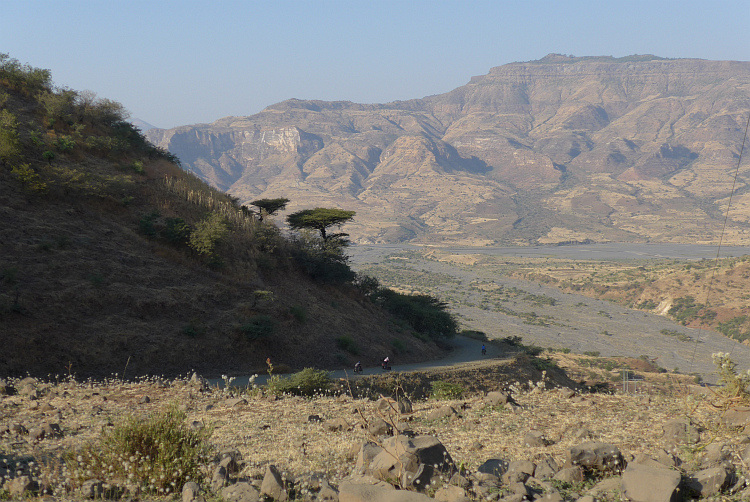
pixel 176 62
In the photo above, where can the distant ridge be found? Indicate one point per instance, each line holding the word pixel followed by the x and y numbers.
pixel 140 124
pixel 564 149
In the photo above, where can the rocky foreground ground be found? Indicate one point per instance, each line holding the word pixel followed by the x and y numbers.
pixel 531 440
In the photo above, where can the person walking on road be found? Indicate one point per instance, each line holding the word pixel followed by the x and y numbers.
pixel 484 350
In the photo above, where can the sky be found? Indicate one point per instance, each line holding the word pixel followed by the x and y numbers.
pixel 178 62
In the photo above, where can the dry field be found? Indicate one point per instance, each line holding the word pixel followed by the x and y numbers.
pixel 270 430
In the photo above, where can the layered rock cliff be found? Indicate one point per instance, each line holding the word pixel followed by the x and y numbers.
pixel 556 150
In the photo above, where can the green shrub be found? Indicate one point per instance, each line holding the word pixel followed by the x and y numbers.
pixel 734 385
pixel 10 145
pixel 348 344
pixel 299 313
pixel 307 382
pixel 592 353
pixel 137 166
pixel 23 78
pixel 176 231
pixel 160 453
pixel 324 261
pixel 257 327
pixel 446 390
pixel 398 345
pixel 368 285
pixel 49 156
pixel 147 224
pixel 423 313
pixel 733 328
pixel 194 328
pixel 29 178
pixel 475 335
pixel 207 234
pixel 65 144
pixel 59 106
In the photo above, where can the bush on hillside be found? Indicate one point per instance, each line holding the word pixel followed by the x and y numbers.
pixel 425 314
pixel 323 260
pixel 307 382
pixel 207 234
pixel 160 453
pixel 10 145
pixel 734 385
pixel 446 390
pixel 22 77
pixel 257 327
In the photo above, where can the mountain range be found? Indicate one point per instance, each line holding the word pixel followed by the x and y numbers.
pixel 559 150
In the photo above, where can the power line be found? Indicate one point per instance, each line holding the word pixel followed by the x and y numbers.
pixel 718 250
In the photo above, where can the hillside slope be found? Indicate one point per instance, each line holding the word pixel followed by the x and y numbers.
pixel 557 150
pixel 113 259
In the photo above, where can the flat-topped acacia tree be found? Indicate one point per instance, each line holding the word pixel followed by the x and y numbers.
pixel 320 219
pixel 269 207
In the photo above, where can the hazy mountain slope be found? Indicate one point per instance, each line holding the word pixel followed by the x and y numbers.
pixel 561 149
pixel 97 277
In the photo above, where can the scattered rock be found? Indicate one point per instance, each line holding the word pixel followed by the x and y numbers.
pixel 567 393
pixel 681 431
pixel 535 439
pixel 20 486
pixel 356 492
pixel 198 382
pixel 737 417
pixel 92 489
pixel 441 412
pixel 367 452
pixel 388 405
pixel 190 492
pixel 36 434
pixel 52 430
pixel 337 425
pixel 570 475
pixel 6 389
pixel 709 482
pixel 601 457
pixel 450 493
pixel 497 398
pixel 518 471
pixel 546 468
pixel 237 402
pixel 646 480
pixel 240 492
pixel 273 486
pixel 379 427
pixel 219 478
pixel 414 462
pixel 493 466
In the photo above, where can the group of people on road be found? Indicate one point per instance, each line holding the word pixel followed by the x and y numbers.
pixel 386 365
